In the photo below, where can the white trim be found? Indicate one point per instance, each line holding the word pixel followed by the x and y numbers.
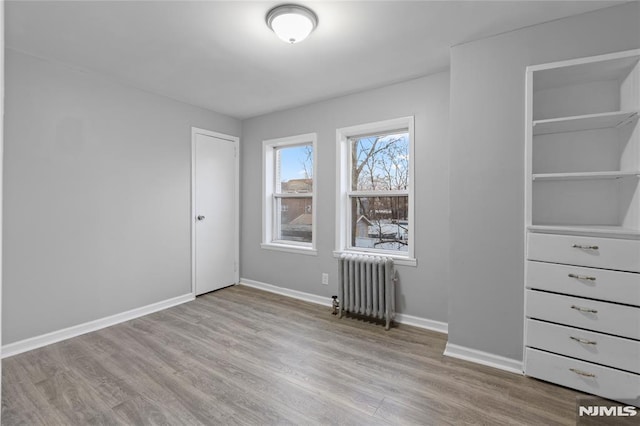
pixel 302 139
pixel 389 193
pixel 300 295
pixel 76 330
pixel 484 358
pixel 587 60
pixel 1 165
pixel 236 143
pixel 528 189
pixel 290 248
pixel 268 173
pixel 397 259
pixel 342 188
pixel 296 195
pixel 343 182
pixel 384 126
pixel 427 324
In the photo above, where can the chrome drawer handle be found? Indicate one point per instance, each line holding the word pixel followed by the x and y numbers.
pixel 585 341
pixel 581 309
pixel 580 246
pixel 582 277
pixel 582 373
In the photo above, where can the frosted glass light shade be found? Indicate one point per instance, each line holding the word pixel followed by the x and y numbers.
pixel 292 23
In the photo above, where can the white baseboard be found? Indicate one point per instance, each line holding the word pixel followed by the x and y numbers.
pixel 300 295
pixel 484 358
pixel 439 326
pixel 428 324
pixel 76 330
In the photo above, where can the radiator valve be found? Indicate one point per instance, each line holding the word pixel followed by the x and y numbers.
pixel 335 304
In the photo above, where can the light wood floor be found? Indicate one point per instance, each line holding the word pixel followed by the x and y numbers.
pixel 243 356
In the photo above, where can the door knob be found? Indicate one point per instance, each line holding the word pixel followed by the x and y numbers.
pixel 200 218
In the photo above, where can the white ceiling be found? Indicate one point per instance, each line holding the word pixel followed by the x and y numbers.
pixel 221 56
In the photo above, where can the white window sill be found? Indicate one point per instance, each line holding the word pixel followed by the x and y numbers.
pixel 290 248
pixel 397 260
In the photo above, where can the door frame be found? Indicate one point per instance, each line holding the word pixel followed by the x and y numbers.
pixel 236 143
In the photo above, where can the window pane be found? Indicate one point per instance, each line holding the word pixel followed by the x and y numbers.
pixel 380 223
pixel 294 169
pixel 380 162
pixel 296 218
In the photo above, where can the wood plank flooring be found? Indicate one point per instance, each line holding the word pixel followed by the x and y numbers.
pixel 247 357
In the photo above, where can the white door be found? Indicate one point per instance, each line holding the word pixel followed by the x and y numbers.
pixel 215 216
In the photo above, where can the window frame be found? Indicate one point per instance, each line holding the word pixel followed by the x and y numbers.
pixel 270 223
pixel 345 193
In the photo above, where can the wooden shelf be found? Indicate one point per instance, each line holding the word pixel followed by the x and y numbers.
pixel 585 175
pixel 583 122
pixel 588 230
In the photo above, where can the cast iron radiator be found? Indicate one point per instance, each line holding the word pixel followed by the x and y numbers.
pixel 366 286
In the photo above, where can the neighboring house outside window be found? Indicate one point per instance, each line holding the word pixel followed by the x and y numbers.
pixel 288 205
pixel 375 189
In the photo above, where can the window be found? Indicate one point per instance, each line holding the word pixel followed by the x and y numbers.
pixel 289 194
pixel 375 189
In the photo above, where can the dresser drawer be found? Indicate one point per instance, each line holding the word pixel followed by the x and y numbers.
pixel 605 317
pixel 585 345
pixel 584 376
pixel 608 253
pixel 612 286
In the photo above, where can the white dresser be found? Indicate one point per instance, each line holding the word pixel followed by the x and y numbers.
pixel 582 279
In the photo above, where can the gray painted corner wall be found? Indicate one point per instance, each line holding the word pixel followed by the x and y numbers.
pixel 422 289
pixel 96 196
pixel 487 167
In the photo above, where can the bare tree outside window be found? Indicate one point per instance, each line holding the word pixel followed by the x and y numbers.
pixel 379 201
pixel 306 161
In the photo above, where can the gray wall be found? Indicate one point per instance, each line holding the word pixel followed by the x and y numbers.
pixel 96 196
pixel 487 167
pixel 422 289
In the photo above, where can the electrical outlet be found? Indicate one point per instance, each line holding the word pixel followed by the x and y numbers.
pixel 325 279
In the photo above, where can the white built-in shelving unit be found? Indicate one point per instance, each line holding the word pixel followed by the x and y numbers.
pixel 583 145
pixel 582 224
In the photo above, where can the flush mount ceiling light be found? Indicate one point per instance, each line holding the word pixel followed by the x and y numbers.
pixel 292 23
